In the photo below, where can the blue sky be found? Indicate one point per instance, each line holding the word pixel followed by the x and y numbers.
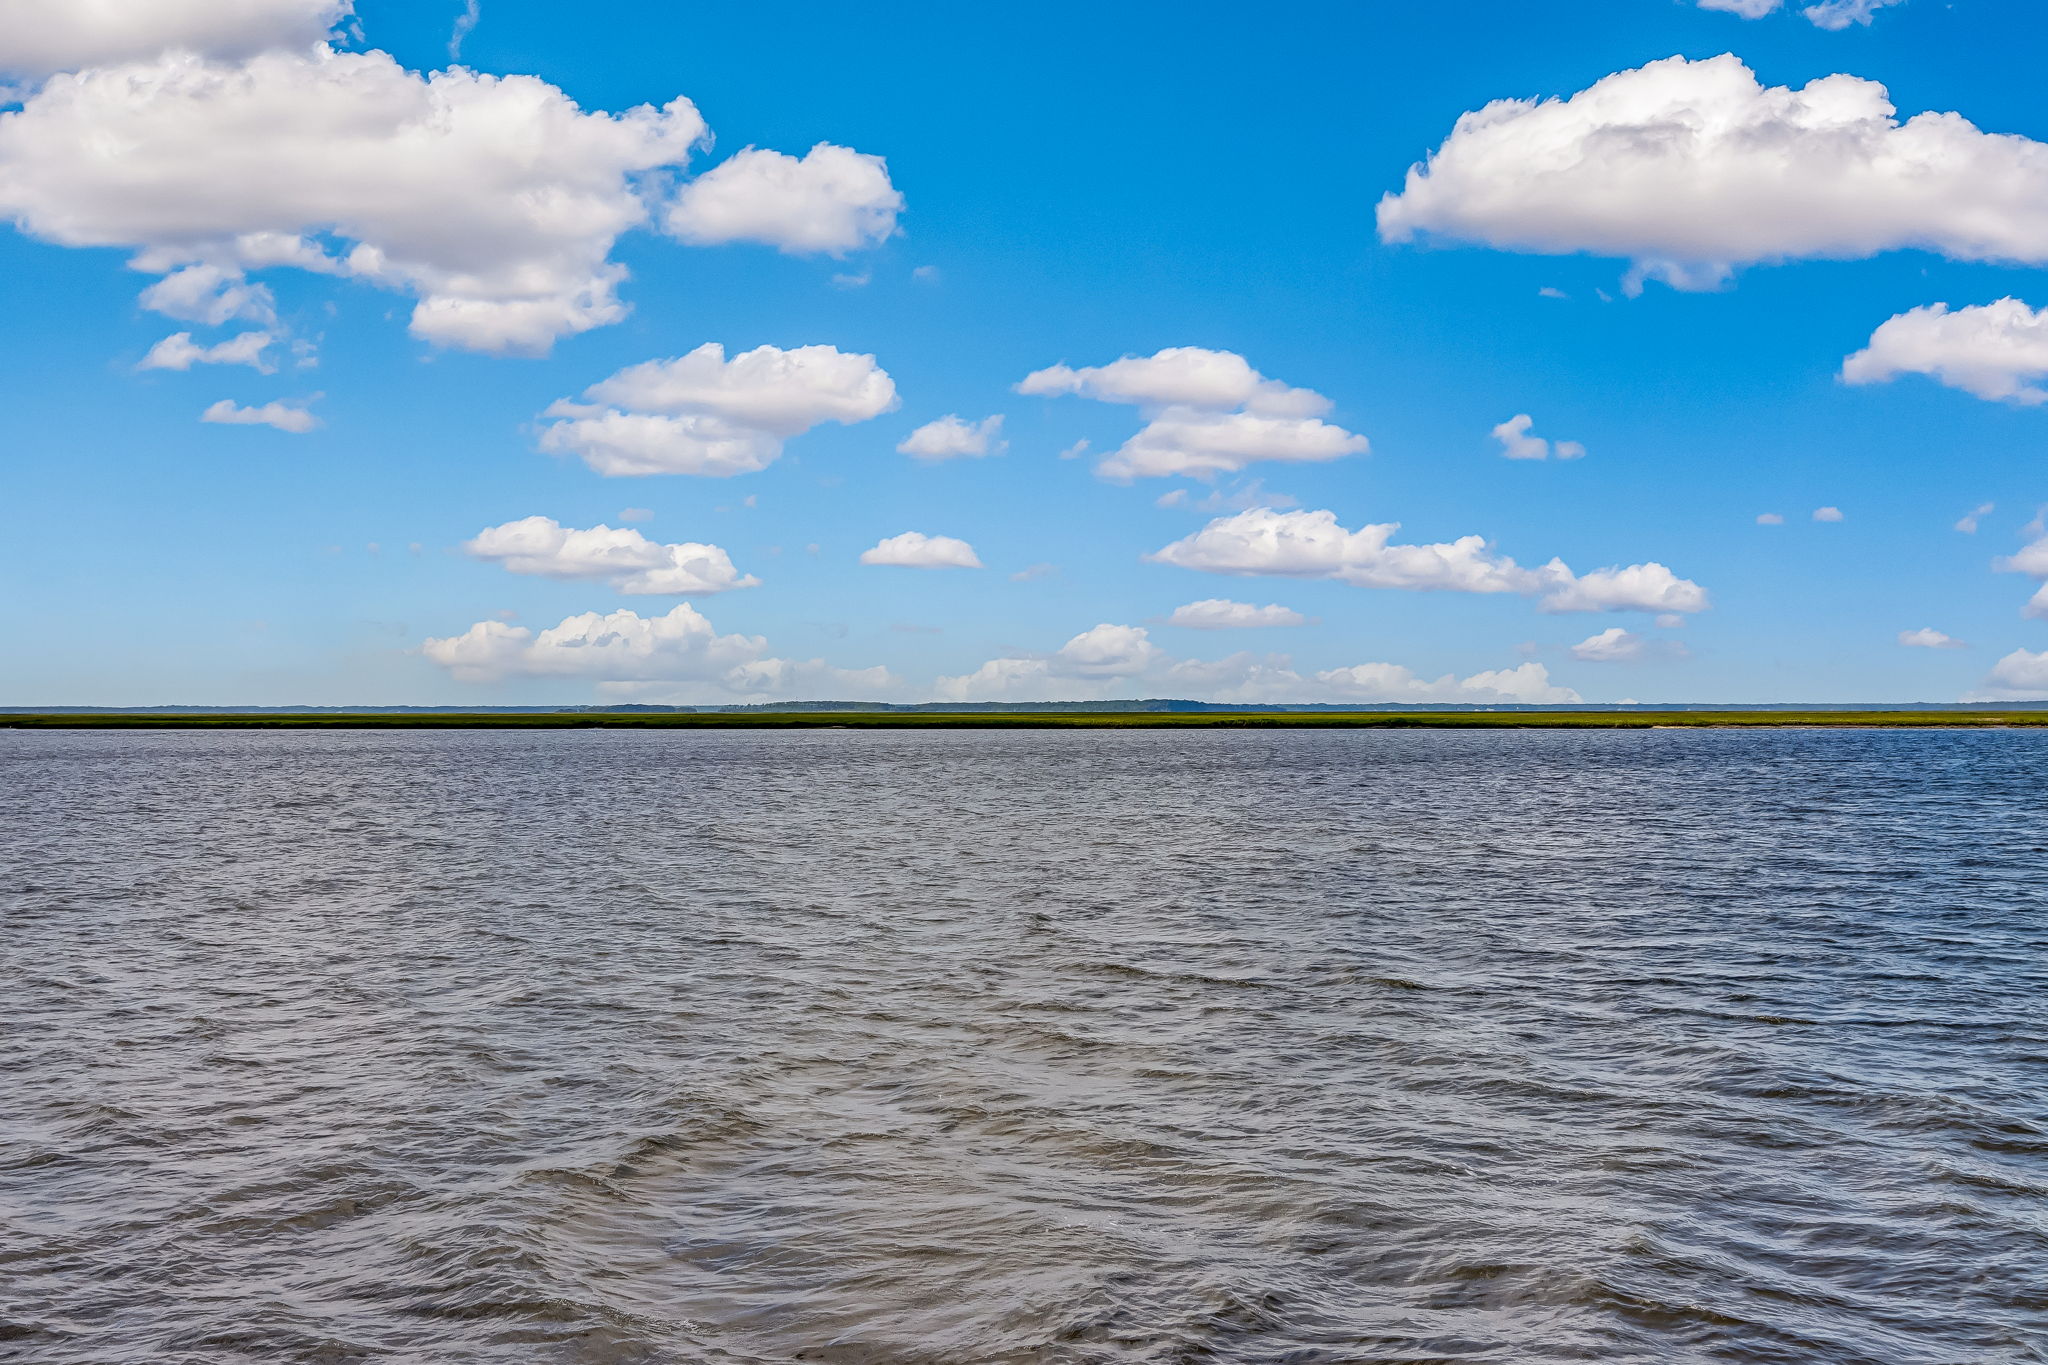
pixel 1077 184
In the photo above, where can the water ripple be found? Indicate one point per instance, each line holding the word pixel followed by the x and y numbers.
pixel 1111 1048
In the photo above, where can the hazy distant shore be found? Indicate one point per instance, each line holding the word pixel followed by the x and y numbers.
pixel 922 720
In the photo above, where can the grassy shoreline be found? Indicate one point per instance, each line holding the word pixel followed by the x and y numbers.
pixel 1040 720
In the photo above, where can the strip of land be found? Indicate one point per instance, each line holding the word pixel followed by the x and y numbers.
pixel 1022 720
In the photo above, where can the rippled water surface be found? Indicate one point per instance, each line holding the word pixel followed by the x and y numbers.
pixel 949 1047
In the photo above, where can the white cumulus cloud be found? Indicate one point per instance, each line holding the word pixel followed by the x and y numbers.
pixel 1116 659
pixel 703 414
pixel 1311 544
pixel 1693 168
pixel 1516 442
pixel 916 550
pixel 494 201
pixel 2031 560
pixel 284 416
pixel 951 437
pixel 629 561
pixel 1928 638
pixel 1967 523
pixel 1179 376
pixel 1993 350
pixel 211 294
pixel 832 200
pixel 1527 684
pixel 1218 613
pixel 1827 514
pixel 179 352
pixel 1209 412
pixel 40 37
pixel 1828 14
pixel 1202 444
pixel 1613 645
pixel 624 652
pixel 2020 676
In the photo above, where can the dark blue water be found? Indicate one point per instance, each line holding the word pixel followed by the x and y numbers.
pixel 1145 1046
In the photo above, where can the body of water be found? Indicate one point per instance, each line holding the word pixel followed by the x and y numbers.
pixel 1146 1047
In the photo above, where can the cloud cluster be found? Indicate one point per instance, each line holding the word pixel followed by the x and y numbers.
pixel 179 352
pixel 1218 613
pixel 623 651
pixel 834 200
pixel 1993 350
pixel 1516 443
pixel 1828 14
pixel 950 437
pixel 41 37
pixel 1208 412
pixel 283 416
pixel 2020 676
pixel 1693 168
pixel 916 550
pixel 704 414
pixel 629 561
pixel 1311 544
pixel 1611 646
pixel 1122 659
pixel 220 136
pixel 2031 560
pixel 494 200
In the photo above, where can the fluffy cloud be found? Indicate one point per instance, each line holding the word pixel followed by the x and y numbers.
pixel 1748 9
pixel 494 201
pixel 950 437
pixel 1203 444
pixel 1122 659
pixel 1218 613
pixel 633 564
pixel 1827 514
pixel 916 550
pixel 1312 545
pixel 2032 560
pixel 1770 519
pixel 1839 14
pixel 1637 587
pixel 179 352
pixel 211 294
pixel 703 414
pixel 1517 444
pixel 1928 638
pixel 1967 523
pixel 1179 376
pixel 1692 168
pixel 1209 412
pixel 1993 350
pixel 2020 676
pixel 834 200
pixel 1611 646
pixel 624 651
pixel 41 37
pixel 1828 14
pixel 1528 685
pixel 283 416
